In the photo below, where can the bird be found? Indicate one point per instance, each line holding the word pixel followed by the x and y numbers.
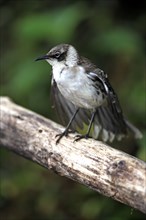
pixel 84 98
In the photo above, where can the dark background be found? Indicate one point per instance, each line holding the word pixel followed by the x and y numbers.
pixel 111 34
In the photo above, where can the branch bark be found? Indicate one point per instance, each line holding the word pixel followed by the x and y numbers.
pixel 104 169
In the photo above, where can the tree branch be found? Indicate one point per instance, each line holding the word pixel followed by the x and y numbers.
pixel 108 171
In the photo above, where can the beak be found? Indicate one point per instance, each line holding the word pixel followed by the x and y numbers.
pixel 45 57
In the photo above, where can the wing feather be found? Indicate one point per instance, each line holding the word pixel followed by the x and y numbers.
pixel 109 121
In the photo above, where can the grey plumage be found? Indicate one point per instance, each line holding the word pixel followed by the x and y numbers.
pixel 79 84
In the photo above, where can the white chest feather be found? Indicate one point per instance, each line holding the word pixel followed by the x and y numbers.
pixel 75 86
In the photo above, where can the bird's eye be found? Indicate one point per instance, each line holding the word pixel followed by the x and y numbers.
pixel 57 54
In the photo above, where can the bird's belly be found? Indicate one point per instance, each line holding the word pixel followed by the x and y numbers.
pixel 79 90
pixel 82 97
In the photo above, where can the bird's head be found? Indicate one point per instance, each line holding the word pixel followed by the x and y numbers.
pixel 61 54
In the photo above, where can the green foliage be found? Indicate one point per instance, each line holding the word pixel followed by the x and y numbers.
pixel 119 40
pixel 107 33
pixel 57 26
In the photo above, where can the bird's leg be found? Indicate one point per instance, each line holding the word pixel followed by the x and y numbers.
pixel 66 131
pixel 79 136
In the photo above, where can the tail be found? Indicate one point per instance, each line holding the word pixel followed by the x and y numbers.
pixel 132 129
pixel 108 127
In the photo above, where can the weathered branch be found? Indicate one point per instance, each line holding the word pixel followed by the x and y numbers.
pixel 109 171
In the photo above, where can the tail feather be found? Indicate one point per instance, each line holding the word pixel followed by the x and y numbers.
pixel 109 128
pixel 135 131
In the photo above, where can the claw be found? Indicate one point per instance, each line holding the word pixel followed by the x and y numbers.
pixel 61 135
pixel 64 133
pixel 79 137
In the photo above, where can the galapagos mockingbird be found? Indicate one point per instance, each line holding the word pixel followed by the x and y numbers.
pixel 83 95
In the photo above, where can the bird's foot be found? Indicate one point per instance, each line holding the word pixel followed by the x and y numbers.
pixel 80 136
pixel 61 135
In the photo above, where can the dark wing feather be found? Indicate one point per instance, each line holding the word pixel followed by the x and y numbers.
pixel 112 112
pixel 109 121
pixel 110 117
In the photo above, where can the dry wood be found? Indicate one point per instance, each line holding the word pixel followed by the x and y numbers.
pixel 108 171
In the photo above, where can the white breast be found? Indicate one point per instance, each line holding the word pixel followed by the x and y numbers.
pixel 75 86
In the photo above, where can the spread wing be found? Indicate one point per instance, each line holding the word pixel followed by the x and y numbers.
pixel 105 124
pixel 113 123
pixel 110 116
pixel 108 122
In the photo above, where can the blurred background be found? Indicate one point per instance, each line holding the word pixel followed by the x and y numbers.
pixel 110 33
